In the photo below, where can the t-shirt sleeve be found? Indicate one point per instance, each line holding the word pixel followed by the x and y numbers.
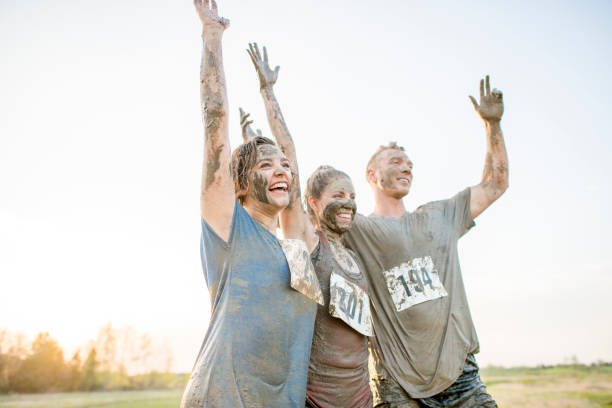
pixel 457 209
pixel 214 251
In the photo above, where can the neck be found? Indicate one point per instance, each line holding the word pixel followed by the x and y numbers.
pixel 330 235
pixel 264 214
pixel 387 206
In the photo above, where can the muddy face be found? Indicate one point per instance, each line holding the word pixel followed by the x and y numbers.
pixel 336 208
pixel 394 173
pixel 270 178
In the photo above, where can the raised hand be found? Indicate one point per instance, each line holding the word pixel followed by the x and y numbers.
pixel 245 124
pixel 209 15
pixel 491 107
pixel 267 77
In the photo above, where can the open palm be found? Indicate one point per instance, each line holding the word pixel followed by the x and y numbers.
pixel 491 106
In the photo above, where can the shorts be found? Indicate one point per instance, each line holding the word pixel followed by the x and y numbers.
pixel 468 391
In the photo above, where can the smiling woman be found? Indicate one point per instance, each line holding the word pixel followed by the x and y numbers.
pixel 338 370
pixel 256 348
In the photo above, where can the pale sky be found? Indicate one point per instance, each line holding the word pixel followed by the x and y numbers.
pixel 101 153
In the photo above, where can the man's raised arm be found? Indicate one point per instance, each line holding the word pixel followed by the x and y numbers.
pixel 495 174
pixel 217 192
pixel 294 220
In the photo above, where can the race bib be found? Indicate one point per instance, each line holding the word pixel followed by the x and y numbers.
pixel 350 303
pixel 303 276
pixel 414 282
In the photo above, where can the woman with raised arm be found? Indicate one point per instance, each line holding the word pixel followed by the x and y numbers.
pixel 338 369
pixel 257 345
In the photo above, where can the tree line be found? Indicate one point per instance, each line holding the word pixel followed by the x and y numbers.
pixel 119 359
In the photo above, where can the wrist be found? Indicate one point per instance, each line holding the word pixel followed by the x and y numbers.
pixel 492 123
pixel 212 35
pixel 266 89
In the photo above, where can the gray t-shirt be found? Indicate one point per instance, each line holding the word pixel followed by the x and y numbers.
pixel 422 323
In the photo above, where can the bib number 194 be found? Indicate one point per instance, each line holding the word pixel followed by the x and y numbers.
pixel 414 282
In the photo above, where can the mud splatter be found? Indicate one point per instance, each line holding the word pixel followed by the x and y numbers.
pixel 214 162
pixel 331 210
pixel 260 188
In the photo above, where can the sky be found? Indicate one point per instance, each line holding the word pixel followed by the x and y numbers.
pixel 101 153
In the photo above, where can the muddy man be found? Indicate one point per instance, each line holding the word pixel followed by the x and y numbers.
pixel 425 341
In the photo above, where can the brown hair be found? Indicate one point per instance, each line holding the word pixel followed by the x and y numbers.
pixel 317 182
pixel 244 159
pixel 372 161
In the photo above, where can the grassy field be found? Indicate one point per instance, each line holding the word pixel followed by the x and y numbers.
pixel 559 387
pixel 115 399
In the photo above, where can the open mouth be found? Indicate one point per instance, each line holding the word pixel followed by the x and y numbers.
pixel 279 187
pixel 345 215
pixel 403 180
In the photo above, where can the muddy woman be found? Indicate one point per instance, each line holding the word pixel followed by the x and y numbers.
pixel 263 291
pixel 338 370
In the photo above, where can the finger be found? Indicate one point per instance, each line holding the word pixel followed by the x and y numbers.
pixel 257 53
pixel 243 117
pixel 265 55
pixel 206 3
pixel 497 93
pixel 197 3
pixel 473 100
pixel 488 85
pixel 252 47
pixel 214 7
pixel 252 57
pixel 241 112
pixel 482 94
pixel 276 70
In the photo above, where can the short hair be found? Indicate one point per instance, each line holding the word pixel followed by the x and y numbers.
pixel 318 181
pixel 382 148
pixel 244 159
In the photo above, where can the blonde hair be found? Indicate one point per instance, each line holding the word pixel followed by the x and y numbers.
pixel 382 148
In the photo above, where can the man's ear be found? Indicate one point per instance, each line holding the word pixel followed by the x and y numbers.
pixel 371 176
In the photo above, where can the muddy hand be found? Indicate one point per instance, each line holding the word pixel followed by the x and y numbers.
pixel 209 15
pixel 245 124
pixel 267 77
pixel 491 107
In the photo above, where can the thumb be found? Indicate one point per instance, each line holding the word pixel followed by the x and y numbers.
pixel 473 100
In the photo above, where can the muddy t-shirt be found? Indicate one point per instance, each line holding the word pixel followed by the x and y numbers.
pixel 257 346
pixel 422 323
pixel 338 371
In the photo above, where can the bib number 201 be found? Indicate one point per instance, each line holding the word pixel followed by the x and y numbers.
pixel 414 282
pixel 350 303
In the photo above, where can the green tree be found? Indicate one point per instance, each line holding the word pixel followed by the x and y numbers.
pixel 44 369
pixel 73 380
pixel 89 375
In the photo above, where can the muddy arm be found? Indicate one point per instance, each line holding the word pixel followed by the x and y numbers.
pixel 294 220
pixel 217 196
pixel 495 174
